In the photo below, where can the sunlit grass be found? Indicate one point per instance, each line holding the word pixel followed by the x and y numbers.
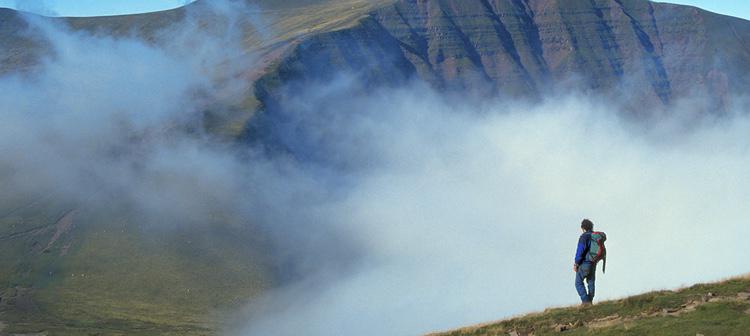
pixel 719 313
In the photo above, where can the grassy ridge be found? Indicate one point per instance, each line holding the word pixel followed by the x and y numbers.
pixel 104 272
pixel 708 309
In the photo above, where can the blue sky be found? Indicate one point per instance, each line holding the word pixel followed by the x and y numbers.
pixel 91 7
pixel 739 8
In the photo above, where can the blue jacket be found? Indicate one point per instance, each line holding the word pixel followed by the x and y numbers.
pixel 584 243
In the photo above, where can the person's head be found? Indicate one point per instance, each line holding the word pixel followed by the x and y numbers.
pixel 587 225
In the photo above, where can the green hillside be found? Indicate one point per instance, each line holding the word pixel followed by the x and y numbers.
pixel 69 270
pixel 705 309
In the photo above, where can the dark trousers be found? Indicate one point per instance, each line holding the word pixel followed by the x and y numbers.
pixel 586 271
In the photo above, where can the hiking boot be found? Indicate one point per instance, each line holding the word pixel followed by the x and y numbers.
pixel 586 304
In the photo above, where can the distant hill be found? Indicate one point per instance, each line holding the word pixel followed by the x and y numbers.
pixel 636 53
pixel 654 52
pixel 282 21
pixel 659 51
pixel 705 309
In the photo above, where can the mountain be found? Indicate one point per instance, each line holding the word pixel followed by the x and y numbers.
pixel 658 52
pixel 70 270
pixel 705 309
pixel 638 50
pixel 281 22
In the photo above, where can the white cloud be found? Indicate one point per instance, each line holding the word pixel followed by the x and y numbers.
pixel 471 212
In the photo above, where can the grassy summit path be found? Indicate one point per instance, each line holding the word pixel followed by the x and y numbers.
pixel 705 309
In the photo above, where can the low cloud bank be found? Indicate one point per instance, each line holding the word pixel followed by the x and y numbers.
pixel 120 120
pixel 466 212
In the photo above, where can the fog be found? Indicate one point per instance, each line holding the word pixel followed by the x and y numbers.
pixel 470 212
pixel 103 119
pixel 402 210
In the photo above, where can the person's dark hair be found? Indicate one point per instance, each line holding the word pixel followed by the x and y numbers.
pixel 587 225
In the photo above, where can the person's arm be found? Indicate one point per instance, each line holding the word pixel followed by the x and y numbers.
pixel 580 251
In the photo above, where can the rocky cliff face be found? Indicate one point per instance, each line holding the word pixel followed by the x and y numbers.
pixel 652 52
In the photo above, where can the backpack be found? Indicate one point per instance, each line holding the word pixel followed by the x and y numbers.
pixel 597 251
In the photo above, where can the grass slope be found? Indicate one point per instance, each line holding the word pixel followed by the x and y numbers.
pixel 708 309
pixel 77 271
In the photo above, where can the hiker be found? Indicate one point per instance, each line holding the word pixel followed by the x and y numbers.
pixel 586 259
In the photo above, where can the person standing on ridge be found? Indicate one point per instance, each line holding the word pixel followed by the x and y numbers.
pixel 585 264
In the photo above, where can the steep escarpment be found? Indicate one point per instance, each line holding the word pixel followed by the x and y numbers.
pixel 649 52
pixel 645 51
